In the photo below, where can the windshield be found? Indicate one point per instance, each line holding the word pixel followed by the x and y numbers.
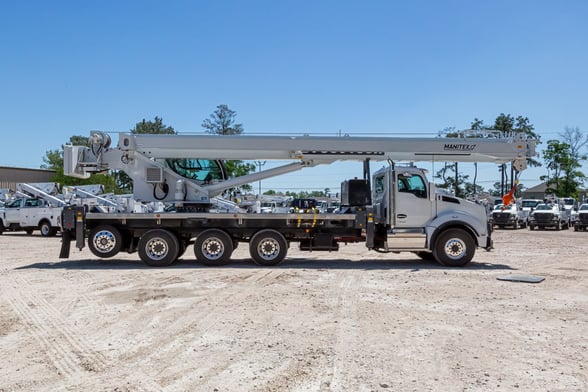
pixel 13 204
pixel 544 207
pixel 530 203
pixel 584 207
pixel 568 201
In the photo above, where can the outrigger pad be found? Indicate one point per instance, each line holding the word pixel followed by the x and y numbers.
pixel 522 278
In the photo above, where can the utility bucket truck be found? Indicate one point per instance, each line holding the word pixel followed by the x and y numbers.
pixel 36 207
pixel 395 210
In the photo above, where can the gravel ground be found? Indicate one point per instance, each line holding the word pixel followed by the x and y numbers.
pixel 351 320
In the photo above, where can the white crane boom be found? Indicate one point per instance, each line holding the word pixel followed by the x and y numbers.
pixel 147 157
pixel 491 148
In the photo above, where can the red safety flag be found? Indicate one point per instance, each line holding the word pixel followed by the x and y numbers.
pixel 509 198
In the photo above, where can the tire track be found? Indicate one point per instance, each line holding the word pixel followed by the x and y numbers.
pixel 67 352
pixel 200 318
pixel 347 292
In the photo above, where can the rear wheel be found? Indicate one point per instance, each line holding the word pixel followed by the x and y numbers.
pixel 213 247
pixel 454 248
pixel 268 247
pixel 105 241
pixel 47 230
pixel 158 248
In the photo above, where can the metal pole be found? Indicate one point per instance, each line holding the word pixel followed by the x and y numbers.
pixel 259 165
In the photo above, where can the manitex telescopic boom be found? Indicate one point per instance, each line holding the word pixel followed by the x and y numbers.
pixel 395 209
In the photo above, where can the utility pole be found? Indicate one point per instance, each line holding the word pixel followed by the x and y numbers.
pixel 259 165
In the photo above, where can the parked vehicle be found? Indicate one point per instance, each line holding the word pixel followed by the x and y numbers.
pixel 549 215
pixel 392 210
pixel 508 216
pixel 528 206
pixel 581 218
pixel 29 214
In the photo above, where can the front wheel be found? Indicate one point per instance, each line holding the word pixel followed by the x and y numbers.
pixel 213 247
pixel 454 248
pixel 268 247
pixel 158 248
pixel 105 241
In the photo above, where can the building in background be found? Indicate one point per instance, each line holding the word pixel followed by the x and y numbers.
pixel 10 176
pixel 538 192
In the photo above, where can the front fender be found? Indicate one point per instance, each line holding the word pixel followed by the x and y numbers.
pixel 478 229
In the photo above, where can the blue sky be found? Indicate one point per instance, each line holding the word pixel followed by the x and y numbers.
pixel 68 67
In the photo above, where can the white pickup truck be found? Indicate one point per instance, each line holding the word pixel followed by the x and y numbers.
pixel 511 215
pixel 30 214
pixel 549 215
pixel 581 218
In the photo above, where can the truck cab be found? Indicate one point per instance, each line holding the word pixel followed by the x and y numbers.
pixel 411 215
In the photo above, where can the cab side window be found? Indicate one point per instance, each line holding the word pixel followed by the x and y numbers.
pixel 32 203
pixel 413 184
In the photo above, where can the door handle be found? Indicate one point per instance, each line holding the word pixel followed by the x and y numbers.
pixel 401 216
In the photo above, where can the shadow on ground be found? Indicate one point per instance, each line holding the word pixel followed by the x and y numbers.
pixel 289 263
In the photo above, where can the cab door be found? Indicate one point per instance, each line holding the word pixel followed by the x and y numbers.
pixel 12 211
pixel 412 205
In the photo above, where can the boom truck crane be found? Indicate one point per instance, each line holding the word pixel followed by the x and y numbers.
pixel 394 210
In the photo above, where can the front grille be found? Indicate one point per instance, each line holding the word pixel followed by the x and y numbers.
pixel 501 218
pixel 544 218
pixel 583 218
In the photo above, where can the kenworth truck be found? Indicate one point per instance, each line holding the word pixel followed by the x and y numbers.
pixel 394 210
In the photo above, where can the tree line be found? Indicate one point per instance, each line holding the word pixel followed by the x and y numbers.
pixel 562 158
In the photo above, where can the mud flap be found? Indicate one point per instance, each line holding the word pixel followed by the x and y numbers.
pixel 73 222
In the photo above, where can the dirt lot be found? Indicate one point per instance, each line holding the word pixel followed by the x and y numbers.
pixel 346 321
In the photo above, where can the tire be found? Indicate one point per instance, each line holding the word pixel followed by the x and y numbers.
pixel 158 248
pixel 428 256
pixel 105 241
pixel 531 227
pixel 46 229
pixel 183 245
pixel 29 231
pixel 213 247
pixel 454 248
pixel 268 247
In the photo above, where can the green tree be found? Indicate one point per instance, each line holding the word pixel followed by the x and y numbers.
pixel 222 122
pixel 450 182
pixel 509 124
pixel 564 177
pixel 53 160
pixel 460 186
pixel 153 127
pixel 123 181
